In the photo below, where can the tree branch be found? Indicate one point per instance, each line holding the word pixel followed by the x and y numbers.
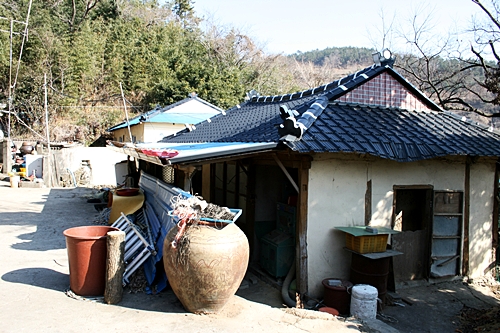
pixel 490 15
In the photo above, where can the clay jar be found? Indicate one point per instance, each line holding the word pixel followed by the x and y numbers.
pixel 26 148
pixel 207 270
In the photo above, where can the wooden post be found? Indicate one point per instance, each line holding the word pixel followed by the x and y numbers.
pixel 115 267
pixel 301 229
pixel 50 182
pixel 368 202
pixel 126 113
pixel 7 156
pixel 466 217
pixel 206 182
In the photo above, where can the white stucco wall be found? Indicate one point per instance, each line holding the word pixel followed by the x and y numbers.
pixel 336 197
pixel 154 132
pixel 102 161
pixel 480 225
pixel 122 134
pixel 147 132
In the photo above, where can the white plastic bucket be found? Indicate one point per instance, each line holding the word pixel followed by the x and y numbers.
pixel 364 301
pixel 14 181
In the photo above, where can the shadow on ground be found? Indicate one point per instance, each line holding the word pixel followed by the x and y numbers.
pixel 437 307
pixel 49 218
pixel 38 277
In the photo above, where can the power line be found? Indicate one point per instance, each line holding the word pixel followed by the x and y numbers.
pixel 112 97
pixel 8 19
pixel 25 37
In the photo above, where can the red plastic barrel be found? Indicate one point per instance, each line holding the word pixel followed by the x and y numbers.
pixel 338 296
pixel 87 253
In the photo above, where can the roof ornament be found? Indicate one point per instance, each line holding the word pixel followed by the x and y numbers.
pixel 383 58
pixel 289 130
pixel 285 112
pixel 293 128
pixel 252 94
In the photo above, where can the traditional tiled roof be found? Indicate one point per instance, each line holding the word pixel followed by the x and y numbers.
pixel 395 134
pixel 323 124
pixel 338 88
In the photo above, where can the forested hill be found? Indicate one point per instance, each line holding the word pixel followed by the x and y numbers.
pixel 87 50
pixel 337 56
pixel 159 54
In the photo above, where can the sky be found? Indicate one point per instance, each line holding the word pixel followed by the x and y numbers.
pixel 287 26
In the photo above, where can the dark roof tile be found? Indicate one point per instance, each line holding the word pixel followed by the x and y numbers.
pixel 405 136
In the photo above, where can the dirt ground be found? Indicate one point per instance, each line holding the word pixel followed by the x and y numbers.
pixel 34 276
pixel 448 306
pixel 474 320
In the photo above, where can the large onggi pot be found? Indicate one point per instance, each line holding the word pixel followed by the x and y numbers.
pixel 207 271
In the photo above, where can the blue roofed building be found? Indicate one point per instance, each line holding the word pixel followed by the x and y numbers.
pixel 154 125
pixel 368 149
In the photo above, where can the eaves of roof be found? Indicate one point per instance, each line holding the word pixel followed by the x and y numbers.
pixel 195 152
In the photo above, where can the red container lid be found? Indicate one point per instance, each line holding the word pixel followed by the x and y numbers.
pixel 329 310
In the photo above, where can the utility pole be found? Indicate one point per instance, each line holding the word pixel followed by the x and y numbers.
pixel 9 98
pixel 126 113
pixel 46 105
pixel 11 37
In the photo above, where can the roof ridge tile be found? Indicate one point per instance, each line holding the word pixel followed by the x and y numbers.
pixel 323 87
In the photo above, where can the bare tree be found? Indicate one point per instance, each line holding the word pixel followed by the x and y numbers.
pixel 487 37
pixel 381 36
pixel 309 75
pixel 74 12
pixel 441 67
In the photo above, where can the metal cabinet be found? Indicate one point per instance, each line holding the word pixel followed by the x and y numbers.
pixel 34 163
pixel 277 253
pixel 446 233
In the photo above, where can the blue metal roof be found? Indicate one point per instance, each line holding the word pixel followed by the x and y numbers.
pixel 168 114
pixel 180 118
pixel 391 133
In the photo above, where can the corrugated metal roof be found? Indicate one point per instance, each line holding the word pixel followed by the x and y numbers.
pixel 181 118
pixel 195 151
